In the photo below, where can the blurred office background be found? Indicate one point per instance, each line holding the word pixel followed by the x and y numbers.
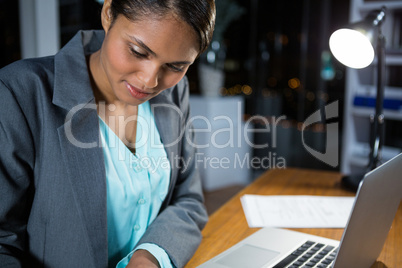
pixel 269 62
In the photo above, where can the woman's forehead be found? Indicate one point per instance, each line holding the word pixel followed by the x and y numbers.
pixel 163 35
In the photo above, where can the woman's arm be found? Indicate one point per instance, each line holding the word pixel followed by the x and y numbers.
pixel 16 171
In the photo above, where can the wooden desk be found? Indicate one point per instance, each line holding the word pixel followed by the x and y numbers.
pixel 228 225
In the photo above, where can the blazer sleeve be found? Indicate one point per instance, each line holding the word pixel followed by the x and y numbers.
pixel 177 229
pixel 16 173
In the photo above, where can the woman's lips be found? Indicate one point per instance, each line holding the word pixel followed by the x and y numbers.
pixel 136 93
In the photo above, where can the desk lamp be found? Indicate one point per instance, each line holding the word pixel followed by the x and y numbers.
pixel 353 46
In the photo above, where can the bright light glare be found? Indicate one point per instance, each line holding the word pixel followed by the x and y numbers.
pixel 351 48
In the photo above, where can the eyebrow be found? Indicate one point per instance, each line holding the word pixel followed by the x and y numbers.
pixel 144 46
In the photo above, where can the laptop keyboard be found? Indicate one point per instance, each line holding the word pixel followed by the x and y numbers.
pixel 310 254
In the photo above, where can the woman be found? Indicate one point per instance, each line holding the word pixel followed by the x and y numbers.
pixel 97 166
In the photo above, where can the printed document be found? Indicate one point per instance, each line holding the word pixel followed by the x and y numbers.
pixel 297 211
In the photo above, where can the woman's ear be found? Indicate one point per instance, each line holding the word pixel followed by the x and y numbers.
pixel 106 15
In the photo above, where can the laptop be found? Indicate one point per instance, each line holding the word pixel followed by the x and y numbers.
pixel 374 209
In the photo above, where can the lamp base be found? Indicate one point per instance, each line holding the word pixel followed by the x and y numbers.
pixel 352 182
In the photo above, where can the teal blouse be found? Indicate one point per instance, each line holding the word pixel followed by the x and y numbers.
pixel 137 184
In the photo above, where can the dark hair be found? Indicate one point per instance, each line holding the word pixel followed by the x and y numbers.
pixel 199 14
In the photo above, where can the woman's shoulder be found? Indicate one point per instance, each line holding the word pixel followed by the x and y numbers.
pixel 27 68
pixel 26 74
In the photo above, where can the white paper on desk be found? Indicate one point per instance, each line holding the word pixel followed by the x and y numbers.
pixel 297 211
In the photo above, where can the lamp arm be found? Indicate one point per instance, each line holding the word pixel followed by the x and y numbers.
pixel 377 122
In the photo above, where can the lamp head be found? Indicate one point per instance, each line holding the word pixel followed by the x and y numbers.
pixel 353 45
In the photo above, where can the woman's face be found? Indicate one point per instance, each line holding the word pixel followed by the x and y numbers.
pixel 140 59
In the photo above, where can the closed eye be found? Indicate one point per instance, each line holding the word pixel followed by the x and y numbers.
pixel 175 68
pixel 137 54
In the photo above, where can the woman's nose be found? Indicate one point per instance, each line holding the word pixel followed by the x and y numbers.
pixel 149 76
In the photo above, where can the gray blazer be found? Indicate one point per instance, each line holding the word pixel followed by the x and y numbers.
pixel 53 192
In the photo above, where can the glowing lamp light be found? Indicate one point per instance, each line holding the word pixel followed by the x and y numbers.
pixel 352 48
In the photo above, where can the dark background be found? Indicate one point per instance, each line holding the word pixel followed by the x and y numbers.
pixel 271 43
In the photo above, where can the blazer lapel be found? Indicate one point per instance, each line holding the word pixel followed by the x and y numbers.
pixel 167 119
pixel 79 141
pixel 84 162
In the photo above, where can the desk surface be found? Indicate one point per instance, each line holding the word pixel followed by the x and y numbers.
pixel 228 225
